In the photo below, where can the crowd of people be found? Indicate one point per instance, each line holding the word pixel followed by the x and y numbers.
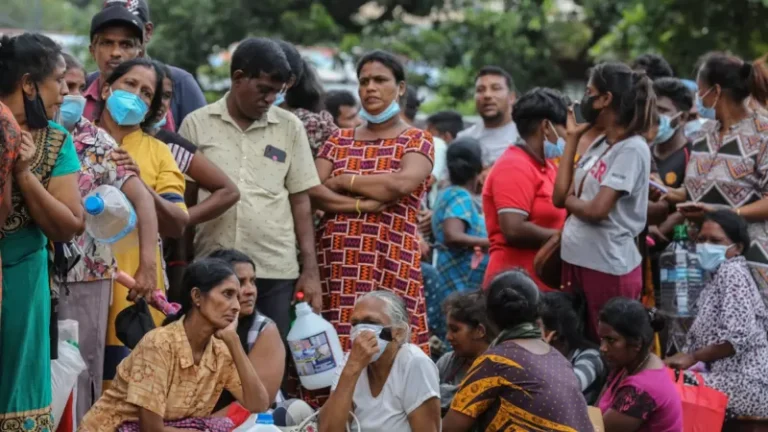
pixel 422 244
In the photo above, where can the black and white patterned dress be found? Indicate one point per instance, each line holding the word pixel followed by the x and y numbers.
pixel 731 310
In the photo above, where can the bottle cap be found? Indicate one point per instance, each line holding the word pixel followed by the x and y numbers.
pixel 94 205
pixel 299 296
pixel 265 418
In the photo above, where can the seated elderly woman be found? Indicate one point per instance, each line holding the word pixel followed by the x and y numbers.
pixel 729 332
pixel 389 384
pixel 177 372
pixel 258 334
pixel 521 382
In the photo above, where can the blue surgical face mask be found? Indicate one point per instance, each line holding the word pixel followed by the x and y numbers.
pixel 126 108
pixel 71 110
pixel 711 255
pixel 161 122
pixel 376 329
pixel 392 110
pixel 666 130
pixel 279 99
pixel 693 126
pixel 706 112
pixel 553 150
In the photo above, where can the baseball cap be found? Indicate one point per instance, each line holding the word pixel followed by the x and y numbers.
pixel 116 16
pixel 140 8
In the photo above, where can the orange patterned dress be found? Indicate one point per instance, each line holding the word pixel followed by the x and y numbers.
pixel 359 254
pixel 10 140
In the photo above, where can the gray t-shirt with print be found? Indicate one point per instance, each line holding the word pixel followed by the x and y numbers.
pixel 493 141
pixel 609 246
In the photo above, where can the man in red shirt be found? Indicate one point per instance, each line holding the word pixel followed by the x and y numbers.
pixel 517 196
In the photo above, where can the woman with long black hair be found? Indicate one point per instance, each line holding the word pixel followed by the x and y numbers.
pixel 606 194
pixel 178 371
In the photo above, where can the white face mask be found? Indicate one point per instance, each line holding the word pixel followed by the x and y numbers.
pixel 375 329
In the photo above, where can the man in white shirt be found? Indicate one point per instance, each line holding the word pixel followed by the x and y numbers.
pixel 494 97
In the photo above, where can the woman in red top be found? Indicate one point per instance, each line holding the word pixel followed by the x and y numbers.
pixel 517 196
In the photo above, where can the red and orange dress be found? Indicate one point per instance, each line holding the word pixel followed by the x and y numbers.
pixel 373 251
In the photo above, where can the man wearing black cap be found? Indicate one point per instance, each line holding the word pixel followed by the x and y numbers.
pixel 117 35
pixel 187 95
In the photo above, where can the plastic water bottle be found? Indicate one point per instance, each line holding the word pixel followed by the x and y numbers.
pixel 110 218
pixel 264 423
pixel 680 274
pixel 315 347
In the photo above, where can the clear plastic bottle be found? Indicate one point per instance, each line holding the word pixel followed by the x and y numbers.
pixel 681 275
pixel 110 218
pixel 315 347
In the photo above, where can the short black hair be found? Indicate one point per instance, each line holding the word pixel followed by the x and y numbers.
pixel 256 56
pixel 734 226
pixel 28 53
pixel 336 99
pixel 539 104
pixel 496 70
pixel 73 63
pixel 469 308
pixel 294 58
pixel 512 299
pixel 157 100
pixel 654 65
pixel 307 92
pixel 676 91
pixel 633 321
pixel 232 256
pixel 563 312
pixel 447 121
pixel 387 59
pixel 464 160
pixel 411 102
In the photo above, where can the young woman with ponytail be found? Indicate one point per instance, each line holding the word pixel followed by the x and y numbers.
pixel 606 193
pixel 728 168
pixel 177 372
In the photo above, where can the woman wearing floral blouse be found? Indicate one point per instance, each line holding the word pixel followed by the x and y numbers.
pixel 90 281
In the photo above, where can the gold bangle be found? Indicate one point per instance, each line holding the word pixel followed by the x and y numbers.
pixel 352 181
pixel 357 207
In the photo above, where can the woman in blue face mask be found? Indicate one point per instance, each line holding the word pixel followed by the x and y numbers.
pixel 133 95
pixel 374 178
pixel 89 282
pixel 727 341
pixel 728 167
pixel 388 383
pixel 517 196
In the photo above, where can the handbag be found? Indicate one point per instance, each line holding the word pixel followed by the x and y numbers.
pixel 703 407
pixel 132 323
pixel 548 264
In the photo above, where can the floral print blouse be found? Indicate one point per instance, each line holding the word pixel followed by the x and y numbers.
pixel 94 148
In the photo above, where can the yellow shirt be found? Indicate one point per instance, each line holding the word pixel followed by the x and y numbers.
pixel 160 172
pixel 268 161
pixel 160 375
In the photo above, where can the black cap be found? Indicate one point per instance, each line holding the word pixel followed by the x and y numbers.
pixel 139 8
pixel 117 15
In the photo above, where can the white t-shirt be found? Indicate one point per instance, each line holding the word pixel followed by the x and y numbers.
pixel 412 381
pixel 493 141
pixel 439 170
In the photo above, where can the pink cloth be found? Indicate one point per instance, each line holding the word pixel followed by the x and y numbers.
pixel 649 395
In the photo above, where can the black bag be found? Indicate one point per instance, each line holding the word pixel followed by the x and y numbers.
pixel 132 323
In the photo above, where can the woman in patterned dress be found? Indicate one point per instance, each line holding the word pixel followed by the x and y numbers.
pixel 729 332
pixel 374 178
pixel 46 207
pixel 728 167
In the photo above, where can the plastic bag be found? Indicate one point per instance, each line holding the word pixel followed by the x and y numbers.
pixel 64 373
pixel 703 407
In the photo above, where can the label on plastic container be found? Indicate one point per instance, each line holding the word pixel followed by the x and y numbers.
pixel 312 355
